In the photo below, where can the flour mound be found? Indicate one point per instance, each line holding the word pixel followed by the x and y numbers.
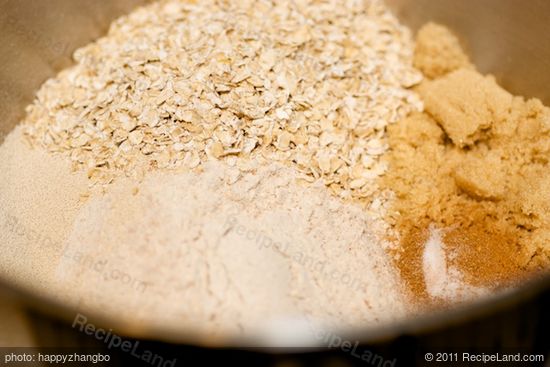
pixel 228 250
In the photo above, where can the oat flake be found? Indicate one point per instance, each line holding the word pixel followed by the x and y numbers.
pixel 173 84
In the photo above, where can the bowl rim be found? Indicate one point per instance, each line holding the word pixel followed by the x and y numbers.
pixel 413 324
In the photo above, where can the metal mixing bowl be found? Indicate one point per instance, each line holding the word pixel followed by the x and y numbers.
pixel 507 38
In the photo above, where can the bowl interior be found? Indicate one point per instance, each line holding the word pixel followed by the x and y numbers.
pixel 504 37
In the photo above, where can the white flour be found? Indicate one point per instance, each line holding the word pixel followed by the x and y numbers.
pixel 228 250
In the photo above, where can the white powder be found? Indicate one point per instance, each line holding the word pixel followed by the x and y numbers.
pixel 229 251
pixel 443 281
pixel 39 199
pixel 223 251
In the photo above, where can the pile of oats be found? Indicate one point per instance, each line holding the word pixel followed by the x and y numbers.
pixel 306 82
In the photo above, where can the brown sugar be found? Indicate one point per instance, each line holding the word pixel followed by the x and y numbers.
pixel 438 51
pixel 473 177
pixel 476 165
pixel 465 104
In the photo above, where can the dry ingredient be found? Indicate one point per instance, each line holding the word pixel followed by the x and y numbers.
pixel 262 86
pixel 229 246
pixel 475 163
pixel 310 83
pixel 249 250
pixel 219 250
pixel 443 280
pixel 438 51
pixel 39 198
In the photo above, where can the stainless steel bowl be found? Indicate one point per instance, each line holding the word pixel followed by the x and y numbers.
pixel 507 38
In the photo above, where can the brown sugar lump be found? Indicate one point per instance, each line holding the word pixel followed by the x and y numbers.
pixel 534 200
pixel 438 51
pixel 481 178
pixel 465 103
pixel 530 210
pixel 418 129
pixel 417 154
